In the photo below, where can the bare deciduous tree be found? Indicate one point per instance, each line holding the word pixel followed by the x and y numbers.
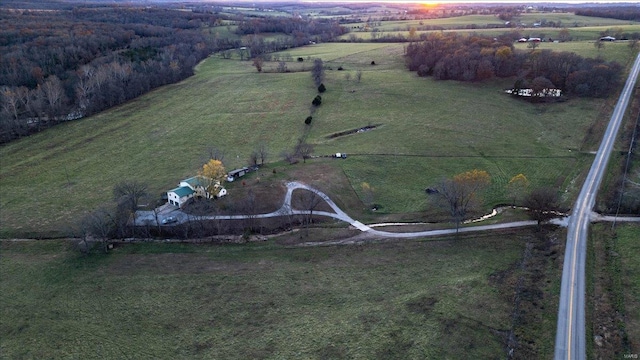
pixel 99 224
pixel 542 203
pixel 249 207
pixel 303 149
pixel 317 72
pixel 257 62
pixel 282 67
pixel 263 153
pixel 253 158
pixel 214 153
pixel 460 194
pixel 517 188
pixel 310 201
pixel 54 95
pixel 128 195
pixel 367 195
pixel 10 101
pixel 289 157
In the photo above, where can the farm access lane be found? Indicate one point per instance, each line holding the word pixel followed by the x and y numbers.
pixel 148 218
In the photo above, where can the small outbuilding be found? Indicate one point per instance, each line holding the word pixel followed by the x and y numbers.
pixel 237 173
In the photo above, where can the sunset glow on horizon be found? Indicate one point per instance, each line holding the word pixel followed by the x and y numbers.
pixel 468 2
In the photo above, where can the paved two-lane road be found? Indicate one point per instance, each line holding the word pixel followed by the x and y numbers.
pixel 570 335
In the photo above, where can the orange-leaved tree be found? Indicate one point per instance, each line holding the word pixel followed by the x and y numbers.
pixel 517 188
pixel 461 194
pixel 367 194
pixel 212 175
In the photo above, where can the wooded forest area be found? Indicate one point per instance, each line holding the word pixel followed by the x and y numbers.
pixel 475 58
pixel 65 64
pixel 620 12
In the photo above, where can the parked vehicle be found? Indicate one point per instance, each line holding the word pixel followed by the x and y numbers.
pixel 169 220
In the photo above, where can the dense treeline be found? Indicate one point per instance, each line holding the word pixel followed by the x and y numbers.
pixel 64 64
pixel 474 58
pixel 60 65
pixel 302 30
pixel 619 12
pixel 466 58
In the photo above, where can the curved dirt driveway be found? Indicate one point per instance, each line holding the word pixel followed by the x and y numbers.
pixel 147 217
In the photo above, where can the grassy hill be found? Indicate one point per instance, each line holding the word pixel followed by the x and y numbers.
pixel 427 130
pixel 588 33
pixel 408 299
pixel 569 19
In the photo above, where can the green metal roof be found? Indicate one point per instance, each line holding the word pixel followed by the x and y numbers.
pixel 195 181
pixel 182 191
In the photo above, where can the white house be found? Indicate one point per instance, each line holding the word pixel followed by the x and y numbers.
pixel 193 187
pixel 179 195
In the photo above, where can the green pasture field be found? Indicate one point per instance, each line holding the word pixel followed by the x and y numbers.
pixel 568 19
pixel 577 34
pixel 628 247
pixel 334 53
pixel 611 51
pixel 591 33
pixel 223 32
pixel 408 299
pixel 427 130
pixel 447 23
pixel 253 11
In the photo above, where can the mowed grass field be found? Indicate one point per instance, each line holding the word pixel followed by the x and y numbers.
pixel 427 130
pixel 611 51
pixel 587 33
pixel 569 20
pixel 580 27
pixel 406 300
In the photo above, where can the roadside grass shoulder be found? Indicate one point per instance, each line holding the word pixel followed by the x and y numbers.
pixel 411 299
pixel 613 290
pixel 629 251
